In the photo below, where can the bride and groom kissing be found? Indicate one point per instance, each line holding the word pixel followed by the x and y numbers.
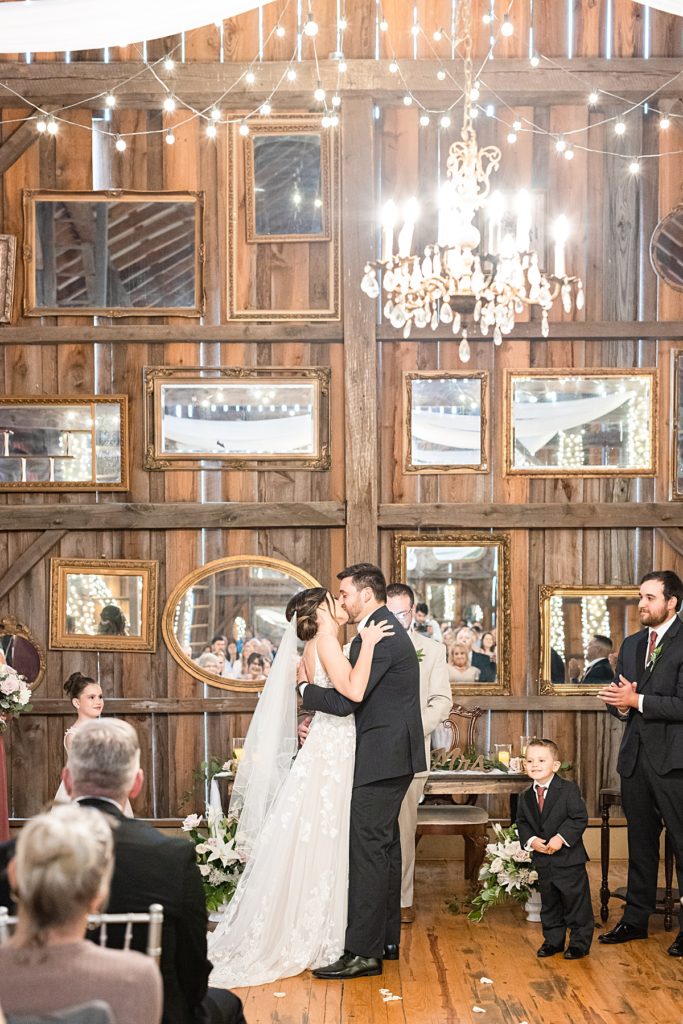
pixel 321 886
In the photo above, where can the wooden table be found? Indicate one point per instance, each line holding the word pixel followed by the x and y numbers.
pixel 441 783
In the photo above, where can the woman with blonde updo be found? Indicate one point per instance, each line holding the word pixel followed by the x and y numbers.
pixel 460 667
pixel 60 874
pixel 289 911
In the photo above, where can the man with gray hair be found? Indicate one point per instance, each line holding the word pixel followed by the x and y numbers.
pixel 102 771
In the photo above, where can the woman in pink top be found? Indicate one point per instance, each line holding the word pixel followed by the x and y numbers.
pixel 61 873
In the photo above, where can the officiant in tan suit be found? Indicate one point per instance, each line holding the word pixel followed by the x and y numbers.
pixel 435 705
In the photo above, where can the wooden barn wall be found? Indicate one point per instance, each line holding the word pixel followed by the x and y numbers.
pixel 612 218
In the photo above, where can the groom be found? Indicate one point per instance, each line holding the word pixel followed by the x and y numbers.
pixel 389 750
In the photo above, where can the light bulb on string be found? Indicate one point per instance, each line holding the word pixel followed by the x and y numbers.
pixel 634 167
pixel 244 128
pixel 424 120
pixel 266 109
pixel 211 131
pixel 319 94
pixel 593 98
pixel 560 145
pixel 414 31
pixel 534 60
pixel 664 122
pixel 383 25
pixel 490 110
pixel 486 19
pixel 41 125
pixel 516 126
pixel 169 138
pixel 393 67
pixel 507 28
pixel 169 63
pixel 445 121
pixel 441 75
pixel 250 78
pixel 325 121
pixel 334 120
pixel 474 93
pixel 569 153
pixel 343 24
pixel 619 128
pixel 407 100
pixel 336 100
pixel 169 104
pixel 311 26
pixel 280 31
pixel 291 75
pixel 110 100
pixel 342 66
pixel 512 138
pixel 215 114
pixel 52 126
pixel 438 35
pixel 121 144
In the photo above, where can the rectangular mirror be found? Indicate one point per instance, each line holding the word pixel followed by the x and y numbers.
pixel 237 417
pixel 446 420
pixel 113 253
pixel 588 423
pixel 464 579
pixel 64 444
pixel 288 184
pixel 103 604
pixel 677 432
pixel 582 629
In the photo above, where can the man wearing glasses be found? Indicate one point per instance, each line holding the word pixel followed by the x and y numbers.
pixel 435 704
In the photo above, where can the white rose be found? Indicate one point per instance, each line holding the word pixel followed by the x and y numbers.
pixel 192 821
pixel 204 869
pixel 10 684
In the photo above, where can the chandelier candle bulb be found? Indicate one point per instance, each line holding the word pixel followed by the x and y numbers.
pixel 389 217
pixel 523 226
pixel 561 234
pixel 405 235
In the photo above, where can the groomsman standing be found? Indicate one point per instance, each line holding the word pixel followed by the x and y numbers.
pixel 435 705
pixel 648 697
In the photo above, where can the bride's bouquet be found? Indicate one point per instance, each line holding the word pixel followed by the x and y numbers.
pixel 15 695
pixel 214 847
pixel 506 873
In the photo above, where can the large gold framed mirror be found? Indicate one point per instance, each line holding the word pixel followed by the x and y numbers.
pixel 223 622
pixel 582 629
pixel 20 650
pixel 464 579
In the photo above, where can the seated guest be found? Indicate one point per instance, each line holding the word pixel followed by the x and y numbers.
pixel 256 667
pixel 488 644
pixel 460 667
pixel 598 668
pixel 61 874
pixel 211 663
pixel 233 665
pixel 103 769
pixel 487 668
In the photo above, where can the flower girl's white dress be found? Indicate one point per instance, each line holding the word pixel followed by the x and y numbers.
pixel 289 911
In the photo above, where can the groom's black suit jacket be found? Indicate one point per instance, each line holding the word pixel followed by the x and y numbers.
pixel 389 734
pixel 660 726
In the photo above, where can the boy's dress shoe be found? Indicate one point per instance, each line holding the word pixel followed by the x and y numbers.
pixel 391 951
pixel 548 950
pixel 622 932
pixel 574 953
pixel 350 966
pixel 676 947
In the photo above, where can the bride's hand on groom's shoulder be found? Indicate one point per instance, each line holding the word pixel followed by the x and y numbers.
pixel 375 631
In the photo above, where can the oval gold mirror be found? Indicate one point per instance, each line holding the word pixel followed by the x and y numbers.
pixel 224 622
pixel 666 248
pixel 20 649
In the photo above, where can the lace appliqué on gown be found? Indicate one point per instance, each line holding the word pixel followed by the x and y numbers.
pixel 289 911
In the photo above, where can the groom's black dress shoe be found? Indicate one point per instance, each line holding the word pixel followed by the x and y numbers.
pixel 548 950
pixel 350 966
pixel 622 932
pixel 391 951
pixel 676 947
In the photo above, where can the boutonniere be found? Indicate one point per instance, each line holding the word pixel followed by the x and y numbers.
pixel 420 653
pixel 655 654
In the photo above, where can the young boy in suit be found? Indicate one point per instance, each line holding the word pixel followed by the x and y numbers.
pixel 551 820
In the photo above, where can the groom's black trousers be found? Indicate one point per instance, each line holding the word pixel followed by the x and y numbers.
pixel 375 866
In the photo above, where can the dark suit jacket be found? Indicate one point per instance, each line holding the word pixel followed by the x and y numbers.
pixel 660 726
pixel 149 868
pixel 487 668
pixel 389 734
pixel 600 672
pixel 564 813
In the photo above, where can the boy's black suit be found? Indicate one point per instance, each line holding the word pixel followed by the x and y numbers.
pixel 651 765
pixel 150 867
pixel 389 750
pixel 562 876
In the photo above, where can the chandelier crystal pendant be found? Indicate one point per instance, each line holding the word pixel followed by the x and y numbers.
pixel 452 283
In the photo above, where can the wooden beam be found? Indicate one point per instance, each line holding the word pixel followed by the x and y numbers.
pixel 541 515
pixel 31 556
pixel 511 80
pixel 21 139
pixel 360 350
pixel 189 515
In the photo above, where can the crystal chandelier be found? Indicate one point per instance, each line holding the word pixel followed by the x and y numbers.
pixel 452 283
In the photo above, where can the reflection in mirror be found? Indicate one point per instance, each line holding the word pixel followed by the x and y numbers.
pixel 446 422
pixel 288 185
pixel 237 416
pixel 63 444
pixel 582 629
pixel 677 455
pixel 601 423
pixel 666 248
pixel 224 622
pixel 129 252
pixel 103 604
pixel 464 582
pixel 20 649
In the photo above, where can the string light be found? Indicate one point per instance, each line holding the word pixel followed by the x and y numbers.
pixel 319 94
pixel 424 120
pixel 560 145
pixel 438 35
pixel 441 75
pixel 415 31
pixel 619 128
pixel 507 28
pixel 517 126
pixel 593 99
pixel 291 75
pixel 110 100
pixel 41 125
pixel 393 67
pixel 121 144
pixel 266 109
pixel 534 60
pixel 445 121
pixel 325 121
pixel 244 128
pixel 169 104
pixel 334 120
pixel 342 66
pixel 250 78
pixel 280 31
pixel 169 63
pixel 569 153
pixel 634 167
pixel 407 100
pixel 311 26
pixel 336 100
pixel 474 93
pixel 52 126
pixel 343 24
pixel 169 137
pixel 383 25
pixel 664 122
pixel 512 138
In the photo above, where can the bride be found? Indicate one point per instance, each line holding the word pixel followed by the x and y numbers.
pixel 289 911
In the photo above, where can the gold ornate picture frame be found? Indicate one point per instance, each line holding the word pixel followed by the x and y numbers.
pixel 102 604
pixel 8 261
pixel 66 443
pixel 589 423
pixel 237 418
pixel 445 422
pixel 570 617
pixel 483 561
pixel 677 426
pixel 113 253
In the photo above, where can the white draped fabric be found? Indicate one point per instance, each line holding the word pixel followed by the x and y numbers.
pixel 669 6
pixel 535 425
pixel 280 436
pixel 60 25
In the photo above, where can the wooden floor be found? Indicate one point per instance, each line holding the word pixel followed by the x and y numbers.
pixel 444 957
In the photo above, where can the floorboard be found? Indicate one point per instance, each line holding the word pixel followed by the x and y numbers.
pixel 444 957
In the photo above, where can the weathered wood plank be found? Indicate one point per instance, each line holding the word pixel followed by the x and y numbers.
pixel 30 557
pixel 543 515
pixel 19 141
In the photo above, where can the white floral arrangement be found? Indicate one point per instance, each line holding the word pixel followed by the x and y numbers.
pixel 15 695
pixel 218 860
pixel 506 873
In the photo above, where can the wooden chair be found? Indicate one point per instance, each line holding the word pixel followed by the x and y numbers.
pixel 153 918
pixel 665 900
pixel 452 819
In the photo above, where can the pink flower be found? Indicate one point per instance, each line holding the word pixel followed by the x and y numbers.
pixel 10 684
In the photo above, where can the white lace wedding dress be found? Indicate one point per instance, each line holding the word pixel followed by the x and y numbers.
pixel 289 911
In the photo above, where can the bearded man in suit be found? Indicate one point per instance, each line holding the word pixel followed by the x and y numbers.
pixel 648 697
pixel 435 704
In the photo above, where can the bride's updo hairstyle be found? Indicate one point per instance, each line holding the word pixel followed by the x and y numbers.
pixel 64 862
pixel 76 684
pixel 305 605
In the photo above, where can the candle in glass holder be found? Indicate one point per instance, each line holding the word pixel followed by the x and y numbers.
pixel 238 748
pixel 523 744
pixel 503 753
